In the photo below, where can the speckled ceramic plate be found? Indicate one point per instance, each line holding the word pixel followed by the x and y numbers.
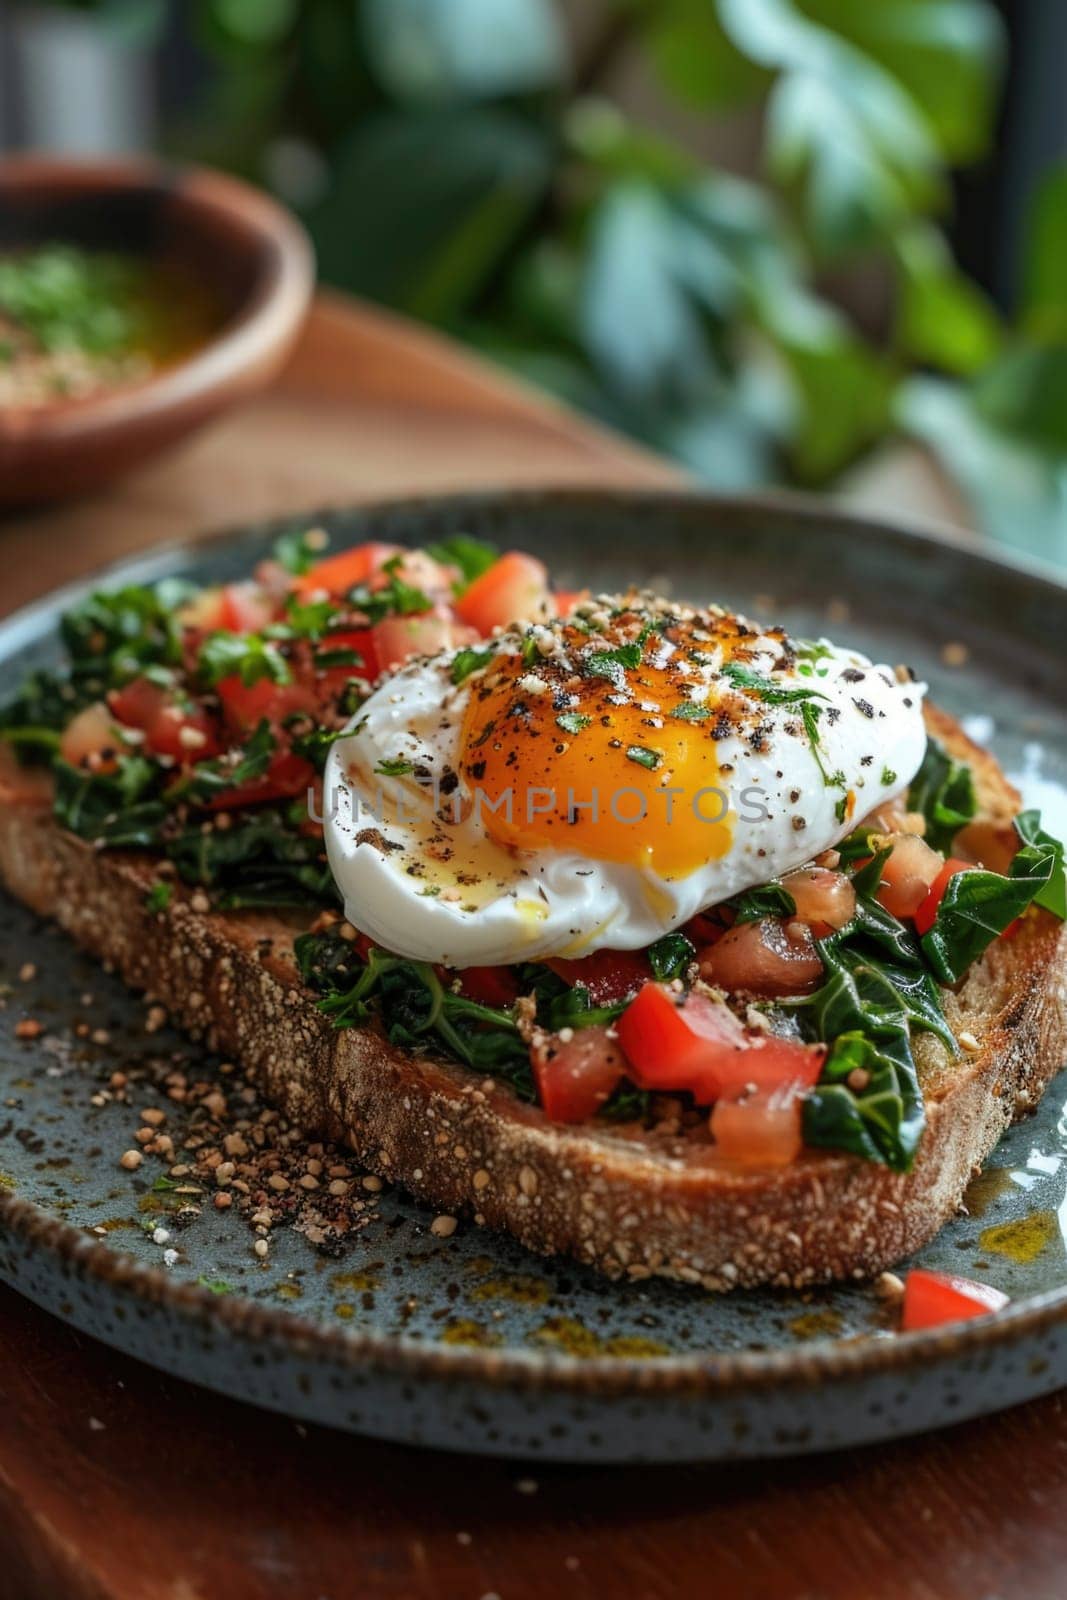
pixel 470 1342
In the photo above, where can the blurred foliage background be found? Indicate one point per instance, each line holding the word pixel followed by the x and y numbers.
pixel 466 162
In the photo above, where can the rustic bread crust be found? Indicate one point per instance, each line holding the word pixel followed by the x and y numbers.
pixel 629 1204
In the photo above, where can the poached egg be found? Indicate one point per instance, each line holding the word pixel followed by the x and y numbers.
pixel 596 781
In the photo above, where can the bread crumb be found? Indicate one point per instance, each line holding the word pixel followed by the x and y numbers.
pixel 969 1043
pixel 443 1227
pixel 131 1160
pixel 887 1286
pixel 955 654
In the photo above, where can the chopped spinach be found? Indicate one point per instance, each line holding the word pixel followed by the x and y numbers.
pixel 768 900
pixel 671 956
pixel 943 791
pixel 977 905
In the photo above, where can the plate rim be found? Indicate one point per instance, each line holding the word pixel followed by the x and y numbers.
pixel 716 1373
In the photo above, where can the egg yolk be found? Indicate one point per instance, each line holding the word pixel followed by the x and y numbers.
pixel 613 759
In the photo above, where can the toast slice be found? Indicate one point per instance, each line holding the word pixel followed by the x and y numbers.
pixel 625 1200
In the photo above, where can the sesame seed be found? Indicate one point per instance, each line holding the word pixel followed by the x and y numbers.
pixel 261 1248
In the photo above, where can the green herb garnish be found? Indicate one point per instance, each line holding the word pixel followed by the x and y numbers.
pixel 464 662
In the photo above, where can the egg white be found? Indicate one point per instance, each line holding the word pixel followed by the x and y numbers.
pixel 388 833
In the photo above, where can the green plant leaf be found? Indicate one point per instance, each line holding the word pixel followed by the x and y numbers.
pixel 640 322
pixel 696 59
pixel 943 318
pixel 424 204
pixel 947 55
pixel 840 128
pixel 424 52
pixel 1025 393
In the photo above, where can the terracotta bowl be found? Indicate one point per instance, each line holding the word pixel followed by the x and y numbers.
pixel 254 258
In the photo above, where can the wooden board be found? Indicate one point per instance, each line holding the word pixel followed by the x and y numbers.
pixel 118 1484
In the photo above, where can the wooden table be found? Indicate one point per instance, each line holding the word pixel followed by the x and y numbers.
pixel 119 1484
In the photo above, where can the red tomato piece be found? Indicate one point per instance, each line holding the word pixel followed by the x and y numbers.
pixel 361 640
pixel 245 705
pixel 513 589
pixel 767 957
pixel 244 608
pixel 764 1129
pixel 907 874
pixel 397 639
pixel 824 900
pixel 576 1078
pixel 563 601
pixel 185 733
pixel 609 975
pixel 490 986
pixel 343 571
pixel 931 1298
pixel 699 1045
pixel 926 912
pixel 287 776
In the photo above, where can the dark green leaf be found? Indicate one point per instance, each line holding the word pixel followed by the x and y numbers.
pixel 943 791
pixel 977 906
pixel 670 956
pixel 1054 896
pixel 769 900
pixel 440 196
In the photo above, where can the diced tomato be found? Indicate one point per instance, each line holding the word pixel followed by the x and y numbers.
pixel 185 733
pixel 576 1078
pixel 513 589
pixel 244 608
pixel 824 900
pixel 907 874
pixel 926 912
pixel 361 641
pixel 287 776
pixel 931 1298
pixel 769 958
pixel 92 739
pixel 764 1129
pixel 699 1045
pixel 343 571
pixel 245 705
pixel 609 975
pixel 563 601
pixel 490 986
pixel 396 639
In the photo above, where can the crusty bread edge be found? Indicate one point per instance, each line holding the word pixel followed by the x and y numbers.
pixel 468 1146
